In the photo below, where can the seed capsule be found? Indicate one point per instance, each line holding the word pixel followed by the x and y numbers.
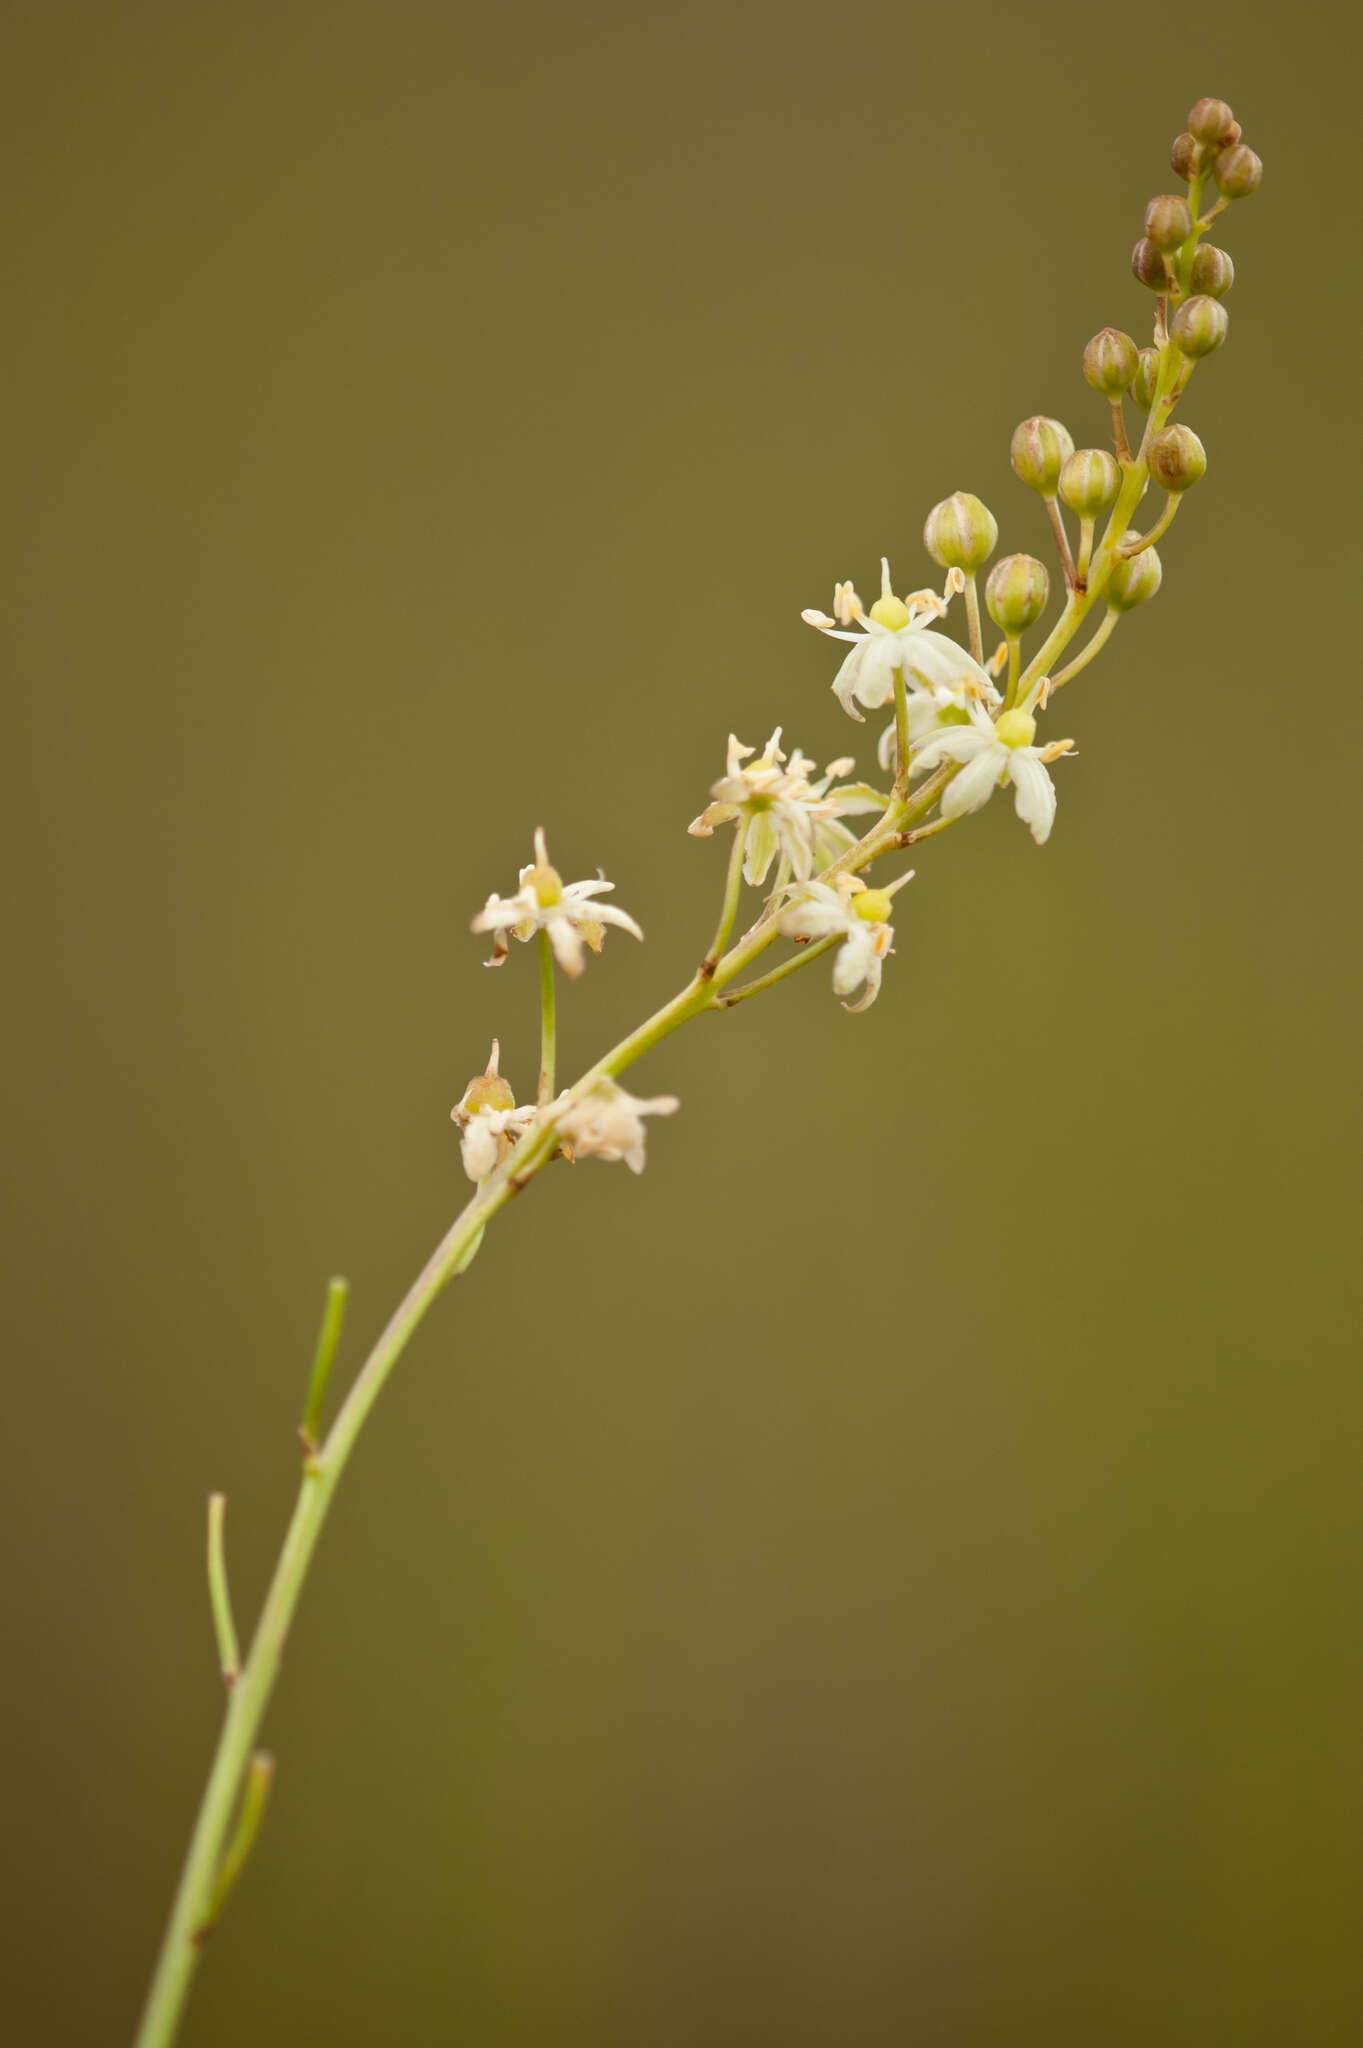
pixel 1213 271
pixel 1131 583
pixel 1090 481
pixel 1168 222
pixel 1016 593
pixel 1040 449
pixel 1237 171
pixel 960 533
pixel 1146 377
pixel 1147 266
pixel 1210 121
pixel 1177 458
pixel 1200 325
pixel 1110 361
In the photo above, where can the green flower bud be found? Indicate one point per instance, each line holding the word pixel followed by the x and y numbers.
pixel 1131 583
pixel 1185 158
pixel 1210 121
pixel 1177 458
pixel 1168 222
pixel 1090 481
pixel 960 533
pixel 1237 171
pixel 1040 449
pixel 1200 325
pixel 1016 593
pixel 1110 362
pixel 1145 379
pixel 1147 266
pixel 1213 271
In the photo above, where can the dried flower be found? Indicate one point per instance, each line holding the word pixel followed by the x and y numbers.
pixel 607 1122
pixel 488 1118
pixel 787 813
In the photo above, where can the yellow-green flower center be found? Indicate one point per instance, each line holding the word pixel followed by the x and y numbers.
pixel 547 884
pixel 890 611
pixel 874 905
pixel 488 1091
pixel 1016 728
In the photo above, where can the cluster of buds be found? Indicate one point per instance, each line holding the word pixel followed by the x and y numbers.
pixel 965 721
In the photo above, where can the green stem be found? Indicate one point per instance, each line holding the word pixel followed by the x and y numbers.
pixel 901 733
pixel 1062 541
pixel 219 1597
pixel 324 1357
pixel 1086 654
pixel 1157 531
pixel 972 618
pixel 733 883
pixel 548 1021
pixel 791 966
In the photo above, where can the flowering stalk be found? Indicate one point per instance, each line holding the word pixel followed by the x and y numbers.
pixel 953 732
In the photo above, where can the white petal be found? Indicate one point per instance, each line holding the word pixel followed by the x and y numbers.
pixel 478 1149
pixel 760 850
pixel 566 944
pixel 854 959
pixel 955 743
pixel 938 661
pixel 975 784
pixel 1034 792
pixel 606 913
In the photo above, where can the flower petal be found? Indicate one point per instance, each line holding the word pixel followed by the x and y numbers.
pixel 1033 792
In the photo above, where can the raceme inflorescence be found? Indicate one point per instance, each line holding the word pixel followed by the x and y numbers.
pixel 963 720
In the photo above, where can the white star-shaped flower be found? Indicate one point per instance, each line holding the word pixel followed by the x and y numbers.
pixel 787 813
pixel 819 910
pixel 546 903
pixel 994 751
pixel 489 1121
pixel 608 1122
pixel 895 634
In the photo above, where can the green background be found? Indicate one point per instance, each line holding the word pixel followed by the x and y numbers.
pixel 889 1575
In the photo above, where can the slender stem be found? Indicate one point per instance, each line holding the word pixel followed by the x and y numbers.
pixel 1095 645
pixel 733 883
pixel 1014 666
pixel 323 1358
pixel 901 730
pixel 255 1794
pixel 1119 441
pixel 1081 567
pixel 972 618
pixel 548 1020
pixel 769 980
pixel 219 1597
pixel 1157 531
pixel 1062 540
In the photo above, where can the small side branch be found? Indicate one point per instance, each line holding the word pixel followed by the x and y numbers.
pixel 1157 531
pixel 219 1597
pixel 1062 540
pixel 328 1337
pixel 791 966
pixel 1095 645
pixel 733 883
pixel 972 616
pixel 255 1794
pixel 548 1021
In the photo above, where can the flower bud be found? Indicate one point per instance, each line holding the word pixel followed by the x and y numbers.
pixel 1237 171
pixel 1146 377
pixel 1090 481
pixel 1110 362
pixel 1200 325
pixel 1177 459
pixel 960 533
pixel 1168 222
pixel 1213 271
pixel 1147 266
pixel 1040 449
pixel 1210 121
pixel 1186 155
pixel 1131 583
pixel 1016 593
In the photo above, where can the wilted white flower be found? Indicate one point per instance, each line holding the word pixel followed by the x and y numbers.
pixel 994 751
pixel 820 910
pixel 787 813
pixel 546 903
pixel 488 1119
pixel 895 634
pixel 608 1122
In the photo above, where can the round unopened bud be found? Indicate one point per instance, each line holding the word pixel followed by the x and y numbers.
pixel 1213 271
pixel 960 533
pixel 1177 458
pixel 1146 377
pixel 1168 222
pixel 1090 481
pixel 874 905
pixel 1132 582
pixel 1147 266
pixel 1210 121
pixel 1185 157
pixel 1039 451
pixel 1237 171
pixel 1200 325
pixel 1110 361
pixel 1016 593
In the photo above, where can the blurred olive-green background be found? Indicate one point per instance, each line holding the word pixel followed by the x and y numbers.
pixel 888 1576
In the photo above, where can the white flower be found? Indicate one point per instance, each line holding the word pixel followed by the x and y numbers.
pixel 546 903
pixel 489 1120
pixel 821 911
pixel 895 634
pixel 993 752
pixel 786 812
pixel 608 1122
